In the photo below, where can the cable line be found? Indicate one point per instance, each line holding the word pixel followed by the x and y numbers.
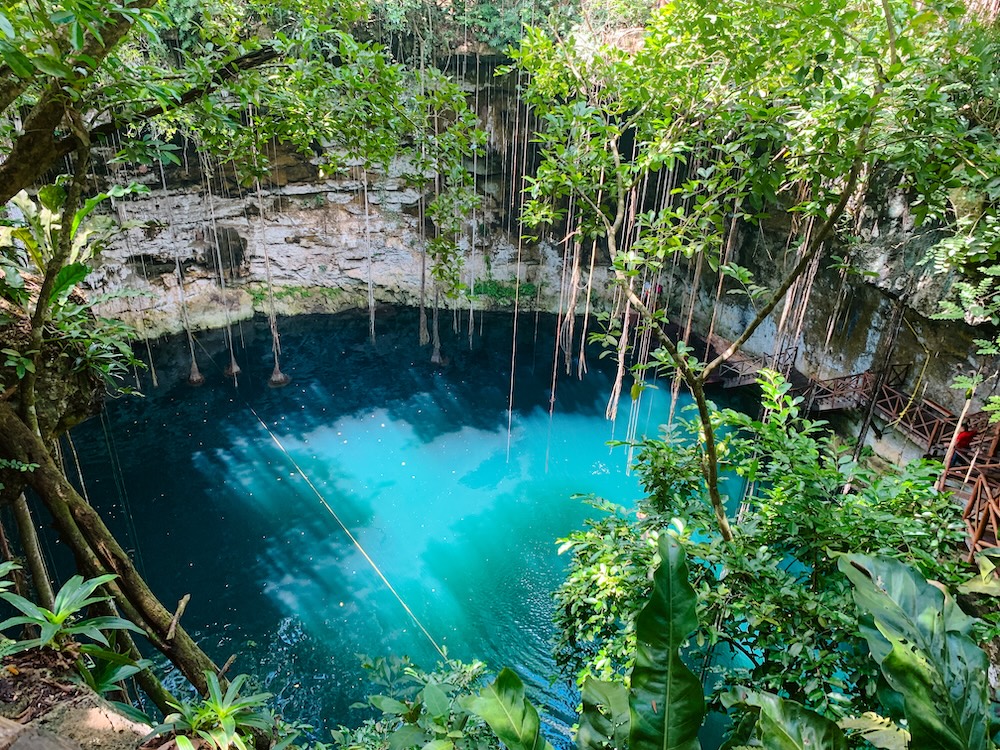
pixel 350 536
pixel 343 526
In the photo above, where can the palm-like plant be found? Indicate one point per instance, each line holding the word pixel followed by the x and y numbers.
pixel 57 626
pixel 223 719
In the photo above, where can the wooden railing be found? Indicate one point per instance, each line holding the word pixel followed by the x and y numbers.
pixel 896 375
pixel 924 421
pixel 742 369
pixel 979 486
pixel 848 392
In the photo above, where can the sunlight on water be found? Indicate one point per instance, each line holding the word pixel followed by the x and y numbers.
pixel 412 458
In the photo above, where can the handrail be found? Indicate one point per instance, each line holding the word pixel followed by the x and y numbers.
pixel 743 369
pixel 982 509
pixel 922 420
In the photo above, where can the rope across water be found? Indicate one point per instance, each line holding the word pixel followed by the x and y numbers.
pixel 354 540
pixel 347 531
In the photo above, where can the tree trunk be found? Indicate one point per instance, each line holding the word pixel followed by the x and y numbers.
pixel 33 553
pixel 97 551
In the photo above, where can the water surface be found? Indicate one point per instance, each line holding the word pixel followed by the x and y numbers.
pixel 459 514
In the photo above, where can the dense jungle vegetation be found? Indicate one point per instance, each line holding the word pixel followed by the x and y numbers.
pixel 807 615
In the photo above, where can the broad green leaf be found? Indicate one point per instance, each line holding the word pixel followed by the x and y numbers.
pixel 435 701
pixel 667 700
pixel 68 277
pixel 989 587
pixel 920 639
pixel 877 730
pixel 52 197
pixel 605 720
pixel 5 26
pixel 509 714
pixel 986 582
pixel 388 705
pixel 407 736
pixel 786 725
pixel 53 67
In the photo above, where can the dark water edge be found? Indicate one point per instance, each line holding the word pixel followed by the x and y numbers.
pixel 414 458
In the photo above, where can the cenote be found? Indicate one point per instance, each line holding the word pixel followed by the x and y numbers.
pixel 414 458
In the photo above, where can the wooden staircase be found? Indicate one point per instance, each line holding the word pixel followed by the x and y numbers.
pixel 977 487
pixel 742 369
pixel 974 476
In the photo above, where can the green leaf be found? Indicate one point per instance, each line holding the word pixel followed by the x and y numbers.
pixel 5 26
pixel 132 712
pixel 29 608
pixel 52 197
pixel 388 705
pixel 106 622
pixel 605 720
pixel 512 718
pixel 76 35
pixel 667 701
pixel 877 730
pixel 786 725
pixel 435 701
pixel 17 61
pixel 75 594
pixel 68 277
pixel 406 737
pixel 19 620
pixel 920 639
pixel 51 66
pixel 989 587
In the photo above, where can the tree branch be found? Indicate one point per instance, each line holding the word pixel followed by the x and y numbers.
pixel 815 243
pixel 33 153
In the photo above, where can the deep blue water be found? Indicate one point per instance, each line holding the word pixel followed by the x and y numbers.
pixel 414 458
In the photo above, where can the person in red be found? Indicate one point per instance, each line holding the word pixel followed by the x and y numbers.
pixel 964 439
pixel 962 444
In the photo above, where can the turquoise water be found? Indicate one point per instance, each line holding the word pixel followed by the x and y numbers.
pixel 414 459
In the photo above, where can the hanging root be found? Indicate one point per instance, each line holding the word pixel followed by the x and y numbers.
pixel 278 379
pixel 195 378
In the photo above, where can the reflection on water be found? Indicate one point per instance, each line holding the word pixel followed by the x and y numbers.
pixel 413 458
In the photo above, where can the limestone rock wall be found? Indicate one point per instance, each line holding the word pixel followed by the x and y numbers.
pixel 314 243
pixel 207 256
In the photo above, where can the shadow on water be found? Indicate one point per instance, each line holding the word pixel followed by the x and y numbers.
pixel 410 456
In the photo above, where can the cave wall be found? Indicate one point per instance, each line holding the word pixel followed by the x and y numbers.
pixel 848 325
pixel 323 248
pixel 322 252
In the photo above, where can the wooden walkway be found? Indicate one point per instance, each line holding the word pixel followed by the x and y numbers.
pixel 974 475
